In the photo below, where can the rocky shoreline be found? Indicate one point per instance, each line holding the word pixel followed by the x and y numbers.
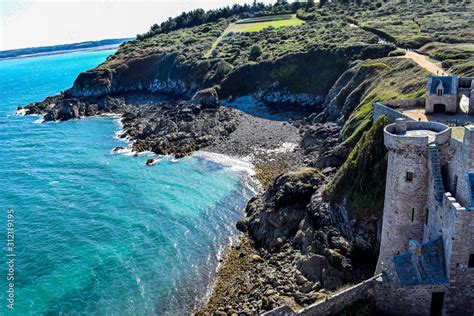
pixel 289 253
pixel 295 248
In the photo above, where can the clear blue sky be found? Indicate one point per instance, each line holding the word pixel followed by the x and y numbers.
pixel 45 22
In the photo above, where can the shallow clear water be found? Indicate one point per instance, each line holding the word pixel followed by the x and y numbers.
pixel 96 233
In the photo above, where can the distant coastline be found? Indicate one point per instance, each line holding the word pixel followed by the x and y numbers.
pixel 62 49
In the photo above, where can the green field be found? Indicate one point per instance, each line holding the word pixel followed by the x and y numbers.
pixel 458 132
pixel 255 25
pixel 258 24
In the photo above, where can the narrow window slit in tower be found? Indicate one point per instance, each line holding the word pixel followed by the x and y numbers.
pixel 470 264
pixel 412 214
pixel 455 186
pixel 409 176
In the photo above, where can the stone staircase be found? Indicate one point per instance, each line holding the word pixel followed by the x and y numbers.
pixel 433 153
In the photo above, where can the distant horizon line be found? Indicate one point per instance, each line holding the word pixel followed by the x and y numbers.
pixel 66 44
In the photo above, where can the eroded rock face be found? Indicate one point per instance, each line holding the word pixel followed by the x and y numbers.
pixel 164 73
pixel 321 143
pixel 293 213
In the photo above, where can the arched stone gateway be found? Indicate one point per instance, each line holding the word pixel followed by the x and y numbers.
pixel 439 108
pixel 449 94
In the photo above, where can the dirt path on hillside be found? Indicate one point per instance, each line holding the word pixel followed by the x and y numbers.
pixel 425 63
pixel 422 60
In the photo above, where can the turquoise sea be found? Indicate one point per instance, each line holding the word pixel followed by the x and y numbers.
pixel 97 233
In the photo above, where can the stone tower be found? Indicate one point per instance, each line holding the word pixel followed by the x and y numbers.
pixel 409 174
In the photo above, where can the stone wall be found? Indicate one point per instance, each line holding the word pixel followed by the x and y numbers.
pixel 391 114
pixel 407 300
pixel 451 102
pixel 405 103
pixel 470 110
pixel 469 147
pixel 461 161
pixel 335 304
pixel 460 300
pixel 441 222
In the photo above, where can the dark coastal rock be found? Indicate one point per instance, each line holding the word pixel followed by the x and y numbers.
pixel 207 98
pixel 178 129
pixel 321 143
pixel 95 83
pixel 118 149
pixel 63 108
pixel 156 73
pixel 150 162
pixel 274 217
pixel 294 187
pixel 164 127
pixel 292 221
pixel 311 266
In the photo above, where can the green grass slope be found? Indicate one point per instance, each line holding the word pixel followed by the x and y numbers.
pixel 361 180
pixel 456 58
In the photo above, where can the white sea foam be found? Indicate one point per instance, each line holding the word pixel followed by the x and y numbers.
pixel 125 151
pixel 116 115
pixel 39 121
pixel 21 112
pixel 233 163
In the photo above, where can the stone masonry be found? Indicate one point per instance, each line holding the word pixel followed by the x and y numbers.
pixel 447 94
pixel 427 240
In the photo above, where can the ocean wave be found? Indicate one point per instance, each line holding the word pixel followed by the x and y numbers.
pixel 235 164
pixel 113 115
pixel 243 166
pixel 127 151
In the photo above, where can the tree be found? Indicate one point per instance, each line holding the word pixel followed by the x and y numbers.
pixel 309 4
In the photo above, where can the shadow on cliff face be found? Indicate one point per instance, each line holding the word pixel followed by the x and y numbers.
pixel 254 107
pixel 324 241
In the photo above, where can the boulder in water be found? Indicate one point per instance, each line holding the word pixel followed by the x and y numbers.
pixel 150 162
pixel 118 149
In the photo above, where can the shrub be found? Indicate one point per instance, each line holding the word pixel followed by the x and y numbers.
pixel 255 52
pixel 397 52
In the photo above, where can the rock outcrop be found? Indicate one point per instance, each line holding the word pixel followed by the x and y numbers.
pixel 206 98
pixel 323 240
pixel 164 127
pixel 297 79
pixel 177 128
pixel 163 73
